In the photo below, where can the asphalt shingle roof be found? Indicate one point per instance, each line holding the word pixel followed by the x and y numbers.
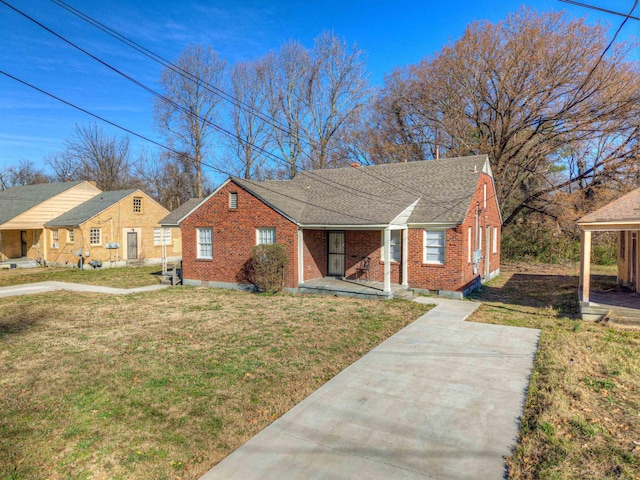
pixel 178 213
pixel 17 200
pixel 89 209
pixel 624 209
pixel 375 195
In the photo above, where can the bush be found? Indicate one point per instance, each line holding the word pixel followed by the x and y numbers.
pixel 268 263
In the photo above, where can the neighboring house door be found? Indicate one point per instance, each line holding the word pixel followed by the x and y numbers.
pixel 336 254
pixel 23 243
pixel 132 245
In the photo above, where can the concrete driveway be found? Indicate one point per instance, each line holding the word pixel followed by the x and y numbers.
pixel 441 399
pixel 43 287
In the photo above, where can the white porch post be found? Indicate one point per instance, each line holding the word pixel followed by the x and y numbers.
pixel 300 256
pixel 387 260
pixel 585 264
pixel 405 257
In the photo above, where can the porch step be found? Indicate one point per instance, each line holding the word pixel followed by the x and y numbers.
pixel 18 264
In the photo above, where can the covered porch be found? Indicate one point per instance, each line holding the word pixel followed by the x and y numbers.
pixel 22 247
pixel 331 257
pixel 624 301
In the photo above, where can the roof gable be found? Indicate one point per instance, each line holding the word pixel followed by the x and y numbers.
pixel 17 200
pixel 89 209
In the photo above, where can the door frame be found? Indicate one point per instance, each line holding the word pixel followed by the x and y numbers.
pixel 331 254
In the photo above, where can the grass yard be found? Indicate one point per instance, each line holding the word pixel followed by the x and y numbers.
pixel 109 277
pixel 163 385
pixel 582 414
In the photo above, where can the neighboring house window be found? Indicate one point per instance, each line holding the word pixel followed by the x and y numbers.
pixel 485 196
pixel 480 238
pixel 469 247
pixel 495 240
pixel 623 244
pixel 205 243
pixel 137 204
pixel 233 200
pixel 95 237
pixel 55 239
pixel 265 235
pixel 434 246
pixel 71 236
pixel 158 233
pixel 395 246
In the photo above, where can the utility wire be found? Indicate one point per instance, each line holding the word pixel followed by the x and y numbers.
pixel 600 9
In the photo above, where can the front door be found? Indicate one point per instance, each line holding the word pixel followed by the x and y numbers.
pixel 23 243
pixel 132 245
pixel 336 254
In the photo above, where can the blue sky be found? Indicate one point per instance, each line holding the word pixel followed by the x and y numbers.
pixel 393 33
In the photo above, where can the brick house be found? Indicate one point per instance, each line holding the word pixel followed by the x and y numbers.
pixel 430 225
pixel 117 228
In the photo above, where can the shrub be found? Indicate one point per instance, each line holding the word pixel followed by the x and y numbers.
pixel 268 263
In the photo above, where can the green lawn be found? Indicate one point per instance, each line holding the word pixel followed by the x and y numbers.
pixel 165 384
pixel 582 414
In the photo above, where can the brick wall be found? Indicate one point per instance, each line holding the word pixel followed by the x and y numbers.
pixel 234 234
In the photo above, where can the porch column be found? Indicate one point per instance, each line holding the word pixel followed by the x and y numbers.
pixel 585 264
pixel 405 257
pixel 387 260
pixel 300 256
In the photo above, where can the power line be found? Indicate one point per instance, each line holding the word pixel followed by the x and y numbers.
pixel 600 9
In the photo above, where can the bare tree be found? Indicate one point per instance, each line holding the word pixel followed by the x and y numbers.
pixel 532 91
pixel 96 156
pixel 25 173
pixel 337 89
pixel 65 166
pixel 251 126
pixel 188 117
pixel 165 178
pixel 286 72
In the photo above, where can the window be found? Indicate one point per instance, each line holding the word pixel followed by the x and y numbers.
pixel 469 246
pixel 495 240
pixel 395 246
pixel 265 235
pixel 137 204
pixel 205 243
pixel 233 200
pixel 623 244
pixel 485 196
pixel 71 236
pixel 55 239
pixel 95 236
pixel 158 233
pixel 434 246
pixel 480 238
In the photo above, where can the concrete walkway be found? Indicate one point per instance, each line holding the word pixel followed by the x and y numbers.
pixel 441 399
pixel 42 287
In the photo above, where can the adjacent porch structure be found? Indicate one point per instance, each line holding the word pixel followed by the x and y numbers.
pixel 621 216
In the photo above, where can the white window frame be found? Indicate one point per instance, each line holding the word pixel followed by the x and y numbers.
pixel 469 245
pixel 233 200
pixel 71 235
pixel 394 248
pixel 485 196
pixel 158 232
pixel 93 234
pixel 202 241
pixel 480 239
pixel 494 247
pixel 265 233
pixel 55 239
pixel 443 233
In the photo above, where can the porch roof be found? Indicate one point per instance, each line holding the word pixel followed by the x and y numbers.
pixel 625 211
pixel 376 195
